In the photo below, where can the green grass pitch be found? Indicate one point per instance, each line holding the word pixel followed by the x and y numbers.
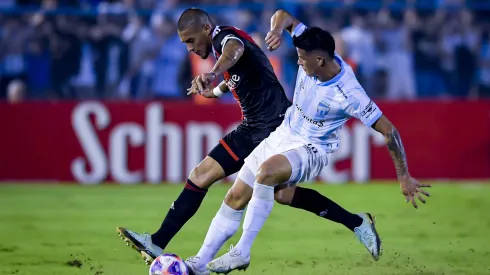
pixel 70 229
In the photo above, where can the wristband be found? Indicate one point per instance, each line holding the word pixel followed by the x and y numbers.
pixel 217 91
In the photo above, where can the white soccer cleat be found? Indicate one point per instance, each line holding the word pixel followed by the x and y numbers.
pixel 194 268
pixel 367 235
pixel 232 260
pixel 141 243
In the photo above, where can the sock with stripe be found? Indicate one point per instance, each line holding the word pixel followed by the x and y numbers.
pixel 180 212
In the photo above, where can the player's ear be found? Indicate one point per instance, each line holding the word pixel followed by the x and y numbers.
pixel 320 61
pixel 207 29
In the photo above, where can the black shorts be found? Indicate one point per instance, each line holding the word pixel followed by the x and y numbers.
pixel 232 150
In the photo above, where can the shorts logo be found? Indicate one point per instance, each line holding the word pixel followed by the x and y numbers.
pixel 310 148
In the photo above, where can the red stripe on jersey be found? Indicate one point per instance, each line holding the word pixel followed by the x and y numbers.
pixel 227 77
pixel 242 34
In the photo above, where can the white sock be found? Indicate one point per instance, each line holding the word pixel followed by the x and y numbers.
pixel 223 227
pixel 259 208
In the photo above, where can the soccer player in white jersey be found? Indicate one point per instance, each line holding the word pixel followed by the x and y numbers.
pixel 327 94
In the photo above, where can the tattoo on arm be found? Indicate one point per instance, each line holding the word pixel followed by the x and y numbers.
pixel 397 152
pixel 232 52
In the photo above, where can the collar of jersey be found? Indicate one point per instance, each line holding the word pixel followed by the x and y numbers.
pixel 336 78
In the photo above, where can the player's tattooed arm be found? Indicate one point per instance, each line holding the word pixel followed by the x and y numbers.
pixel 394 144
pixel 280 21
pixel 410 187
pixel 232 51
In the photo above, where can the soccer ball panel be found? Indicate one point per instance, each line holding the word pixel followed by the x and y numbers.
pixel 168 264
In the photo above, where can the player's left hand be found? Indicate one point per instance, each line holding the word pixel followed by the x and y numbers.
pixel 201 84
pixel 411 188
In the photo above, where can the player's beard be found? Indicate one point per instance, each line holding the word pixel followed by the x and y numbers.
pixel 205 56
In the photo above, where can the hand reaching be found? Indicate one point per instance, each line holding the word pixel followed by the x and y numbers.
pixel 201 85
pixel 411 188
pixel 273 40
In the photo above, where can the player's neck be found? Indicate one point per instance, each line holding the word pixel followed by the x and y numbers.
pixel 329 71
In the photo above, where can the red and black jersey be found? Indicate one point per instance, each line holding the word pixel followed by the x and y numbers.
pixel 252 80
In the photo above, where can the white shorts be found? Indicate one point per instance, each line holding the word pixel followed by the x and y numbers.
pixel 307 160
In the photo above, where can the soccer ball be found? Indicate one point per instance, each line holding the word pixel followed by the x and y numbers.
pixel 168 264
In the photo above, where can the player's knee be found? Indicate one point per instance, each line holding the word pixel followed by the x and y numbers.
pixel 271 174
pixel 201 178
pixel 274 171
pixel 284 194
pixel 266 175
pixel 204 175
pixel 236 199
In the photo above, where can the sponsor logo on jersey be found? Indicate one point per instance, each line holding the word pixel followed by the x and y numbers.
pixel 318 123
pixel 232 82
pixel 323 108
pixel 216 30
pixel 368 110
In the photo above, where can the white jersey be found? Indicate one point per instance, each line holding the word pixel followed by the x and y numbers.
pixel 320 109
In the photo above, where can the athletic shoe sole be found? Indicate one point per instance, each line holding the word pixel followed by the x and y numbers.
pixel 134 244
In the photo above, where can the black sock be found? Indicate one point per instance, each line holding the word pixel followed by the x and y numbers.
pixel 180 212
pixel 312 201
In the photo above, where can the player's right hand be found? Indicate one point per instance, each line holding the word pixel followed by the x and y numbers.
pixel 412 188
pixel 273 39
pixel 201 85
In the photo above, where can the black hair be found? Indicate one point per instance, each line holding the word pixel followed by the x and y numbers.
pixel 315 39
pixel 193 17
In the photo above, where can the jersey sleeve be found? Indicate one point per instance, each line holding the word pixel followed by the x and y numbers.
pixel 299 29
pixel 360 106
pixel 223 37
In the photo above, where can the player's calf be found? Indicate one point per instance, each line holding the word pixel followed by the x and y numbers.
pixel 189 201
pixel 224 224
pixel 284 193
pixel 272 172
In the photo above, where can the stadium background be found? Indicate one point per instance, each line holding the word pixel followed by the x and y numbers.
pixel 92 92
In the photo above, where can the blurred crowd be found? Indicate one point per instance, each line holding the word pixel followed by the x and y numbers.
pixel 129 49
